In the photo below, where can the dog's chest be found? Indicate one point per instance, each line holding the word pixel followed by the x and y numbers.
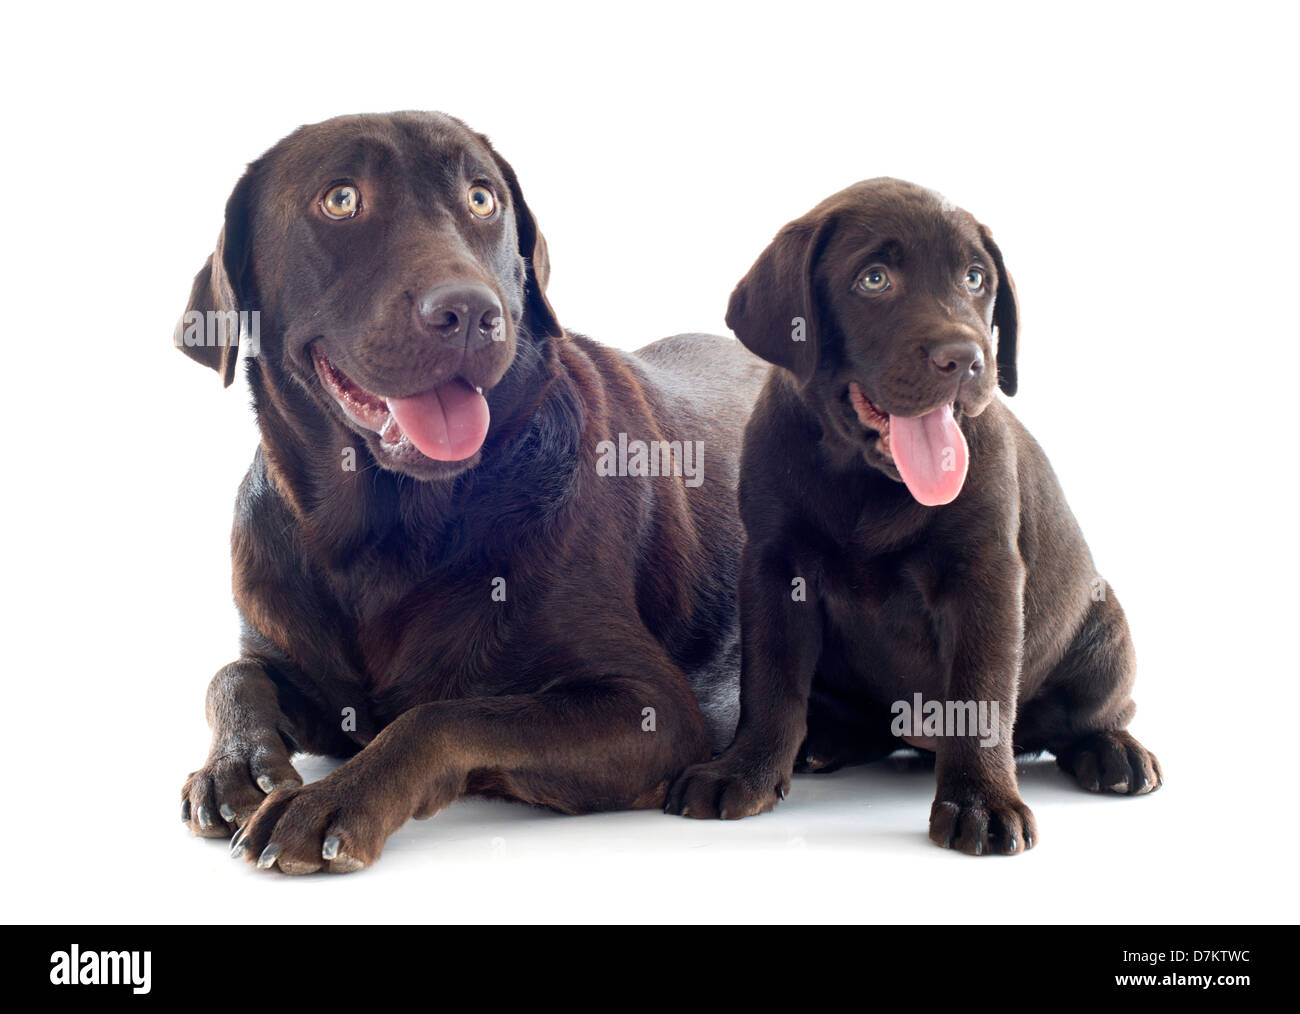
pixel 433 637
pixel 383 644
pixel 883 631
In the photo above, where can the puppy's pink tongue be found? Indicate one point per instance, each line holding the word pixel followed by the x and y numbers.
pixel 448 423
pixel 931 455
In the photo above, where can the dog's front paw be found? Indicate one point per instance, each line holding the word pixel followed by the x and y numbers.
pixel 228 789
pixel 1112 762
pixel 322 826
pixel 727 788
pixel 979 823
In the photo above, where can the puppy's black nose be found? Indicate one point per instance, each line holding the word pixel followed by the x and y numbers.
pixel 466 311
pixel 962 360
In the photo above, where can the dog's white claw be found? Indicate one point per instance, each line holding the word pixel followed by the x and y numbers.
pixel 268 857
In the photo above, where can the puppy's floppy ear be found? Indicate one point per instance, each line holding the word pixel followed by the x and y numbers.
pixel 1006 317
pixel 207 332
pixel 773 310
pixel 539 318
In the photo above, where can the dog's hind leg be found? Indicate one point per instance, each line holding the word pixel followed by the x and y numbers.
pixel 833 742
pixel 1082 711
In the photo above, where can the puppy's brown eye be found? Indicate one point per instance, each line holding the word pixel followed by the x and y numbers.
pixel 974 279
pixel 481 201
pixel 874 280
pixel 342 201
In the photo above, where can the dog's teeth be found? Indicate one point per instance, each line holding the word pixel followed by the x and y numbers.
pixel 479 390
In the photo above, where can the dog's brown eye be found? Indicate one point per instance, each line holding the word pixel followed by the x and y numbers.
pixel 974 279
pixel 342 201
pixel 481 201
pixel 874 280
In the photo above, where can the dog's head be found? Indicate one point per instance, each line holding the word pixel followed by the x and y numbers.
pixel 883 301
pixel 396 274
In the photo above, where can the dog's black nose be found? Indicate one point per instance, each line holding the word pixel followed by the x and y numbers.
pixel 963 360
pixel 470 312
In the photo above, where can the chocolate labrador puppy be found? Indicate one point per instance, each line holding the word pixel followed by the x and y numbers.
pixel 912 573
pixel 474 554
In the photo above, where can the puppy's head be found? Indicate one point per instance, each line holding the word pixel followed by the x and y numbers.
pixel 396 275
pixel 883 302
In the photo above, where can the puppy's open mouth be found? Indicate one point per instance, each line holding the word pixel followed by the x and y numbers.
pixel 929 450
pixel 871 417
pixel 446 423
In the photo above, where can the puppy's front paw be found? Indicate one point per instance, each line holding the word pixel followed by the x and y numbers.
pixel 979 823
pixel 225 792
pixel 321 826
pixel 727 788
pixel 1112 762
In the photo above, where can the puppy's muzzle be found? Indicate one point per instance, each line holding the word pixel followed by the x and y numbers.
pixel 960 361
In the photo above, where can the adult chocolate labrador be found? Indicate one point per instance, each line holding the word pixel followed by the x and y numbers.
pixel 912 571
pixel 474 553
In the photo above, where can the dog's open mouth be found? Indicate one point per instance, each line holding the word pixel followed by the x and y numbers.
pixel 929 451
pixel 446 423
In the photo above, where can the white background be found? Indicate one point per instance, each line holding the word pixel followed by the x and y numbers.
pixel 1136 164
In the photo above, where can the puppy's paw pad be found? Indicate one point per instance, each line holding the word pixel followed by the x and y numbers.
pixel 724 791
pixel 979 825
pixel 1112 762
pixel 822 761
pixel 822 753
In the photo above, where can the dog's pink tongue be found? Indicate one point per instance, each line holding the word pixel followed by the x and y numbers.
pixel 931 455
pixel 448 423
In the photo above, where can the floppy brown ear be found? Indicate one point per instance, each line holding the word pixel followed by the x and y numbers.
pixel 1006 317
pixel 539 318
pixel 773 310
pixel 209 330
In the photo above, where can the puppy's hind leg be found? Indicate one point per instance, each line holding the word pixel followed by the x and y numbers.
pixel 832 743
pixel 1083 711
